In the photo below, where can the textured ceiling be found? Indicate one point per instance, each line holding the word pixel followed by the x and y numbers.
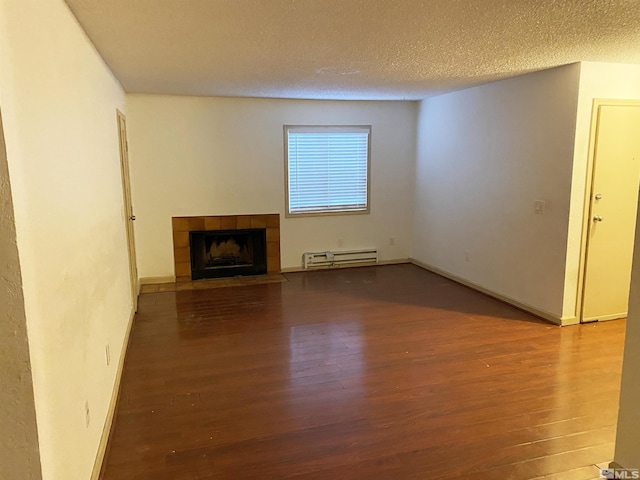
pixel 349 49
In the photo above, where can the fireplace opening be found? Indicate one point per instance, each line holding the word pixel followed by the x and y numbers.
pixel 228 253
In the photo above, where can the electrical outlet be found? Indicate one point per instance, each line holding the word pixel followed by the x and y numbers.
pixel 107 354
pixel 340 242
pixel 87 414
pixel 392 241
pixel 539 206
pixel 467 256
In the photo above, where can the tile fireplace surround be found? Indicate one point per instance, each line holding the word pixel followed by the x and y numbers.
pixel 183 225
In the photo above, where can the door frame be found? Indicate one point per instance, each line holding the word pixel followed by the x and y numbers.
pixel 128 208
pixel 588 191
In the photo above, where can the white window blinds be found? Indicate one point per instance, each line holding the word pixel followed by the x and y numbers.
pixel 327 169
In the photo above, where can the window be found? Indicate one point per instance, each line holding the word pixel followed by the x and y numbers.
pixel 327 169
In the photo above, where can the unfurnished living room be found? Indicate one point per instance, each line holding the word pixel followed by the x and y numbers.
pixel 332 239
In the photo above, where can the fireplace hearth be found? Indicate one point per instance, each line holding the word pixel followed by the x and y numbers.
pixel 228 253
pixel 225 246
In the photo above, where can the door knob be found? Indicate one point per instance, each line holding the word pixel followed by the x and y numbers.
pixel 598 196
pixel 597 218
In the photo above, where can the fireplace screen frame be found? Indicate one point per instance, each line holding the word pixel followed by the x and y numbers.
pixel 200 242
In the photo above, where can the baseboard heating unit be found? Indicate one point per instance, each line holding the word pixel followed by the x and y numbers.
pixel 335 259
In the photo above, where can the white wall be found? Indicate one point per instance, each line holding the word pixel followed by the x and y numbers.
pixel 19 456
pixel 597 80
pixel 484 156
pixel 605 80
pixel 58 104
pixel 628 433
pixel 223 156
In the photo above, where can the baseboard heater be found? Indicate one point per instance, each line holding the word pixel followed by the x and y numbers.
pixel 335 259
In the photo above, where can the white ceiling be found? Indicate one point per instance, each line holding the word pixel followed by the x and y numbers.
pixel 349 49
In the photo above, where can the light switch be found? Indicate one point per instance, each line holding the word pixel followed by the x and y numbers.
pixel 539 206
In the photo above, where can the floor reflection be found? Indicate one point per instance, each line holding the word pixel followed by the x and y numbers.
pixel 326 366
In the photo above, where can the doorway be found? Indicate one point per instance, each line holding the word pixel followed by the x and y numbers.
pixel 128 208
pixel 611 208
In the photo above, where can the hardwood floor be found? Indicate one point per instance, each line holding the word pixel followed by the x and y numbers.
pixel 386 372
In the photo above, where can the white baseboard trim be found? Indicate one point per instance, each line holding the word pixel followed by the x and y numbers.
pixel 605 318
pixel 550 317
pixel 567 321
pixel 113 403
pixel 396 261
pixel 153 280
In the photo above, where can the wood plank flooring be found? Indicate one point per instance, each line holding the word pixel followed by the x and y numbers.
pixel 386 372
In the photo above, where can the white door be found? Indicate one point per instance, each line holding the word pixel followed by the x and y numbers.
pixel 614 198
pixel 128 208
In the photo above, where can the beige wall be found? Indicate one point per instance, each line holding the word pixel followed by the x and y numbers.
pixel 19 456
pixel 225 156
pixel 58 104
pixel 597 80
pixel 484 156
pixel 628 434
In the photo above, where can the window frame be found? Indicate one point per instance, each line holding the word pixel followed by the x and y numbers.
pixel 328 129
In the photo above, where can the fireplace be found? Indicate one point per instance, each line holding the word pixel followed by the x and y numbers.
pixel 228 253
pixel 225 246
